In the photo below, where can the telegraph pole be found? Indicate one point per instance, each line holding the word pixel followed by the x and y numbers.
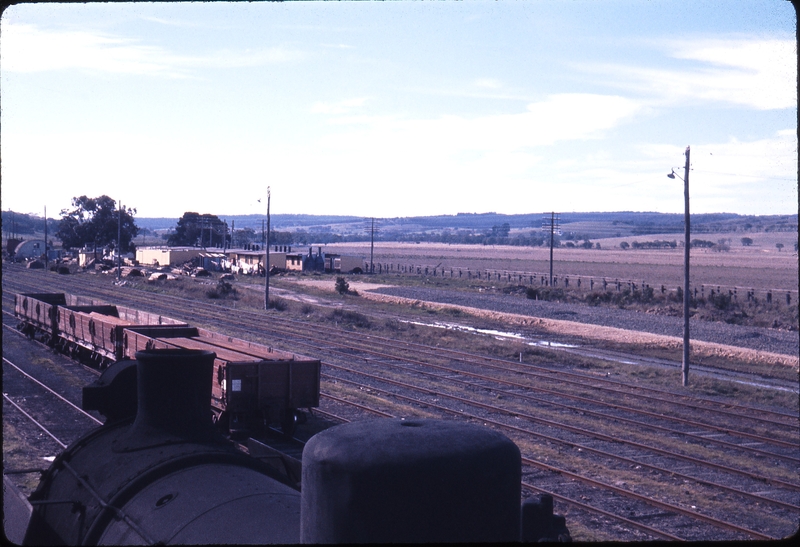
pixel 686 235
pixel 45 238
pixel 552 229
pixel 119 241
pixel 266 259
pixel 551 223
pixel 686 246
pixel 372 247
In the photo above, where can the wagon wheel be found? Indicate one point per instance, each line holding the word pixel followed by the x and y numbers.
pixel 289 422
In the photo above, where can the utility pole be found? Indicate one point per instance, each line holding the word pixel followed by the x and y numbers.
pixel 372 247
pixel 119 242
pixel 266 259
pixel 686 236
pixel 551 224
pixel 686 247
pixel 45 238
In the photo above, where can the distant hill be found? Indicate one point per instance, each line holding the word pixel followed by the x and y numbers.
pixel 523 229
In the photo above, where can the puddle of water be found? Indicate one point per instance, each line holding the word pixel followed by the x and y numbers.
pixel 548 344
pixel 499 335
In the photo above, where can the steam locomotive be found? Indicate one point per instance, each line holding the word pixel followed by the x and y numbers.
pixel 167 476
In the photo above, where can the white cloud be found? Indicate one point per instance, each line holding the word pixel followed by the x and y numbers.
pixel 763 73
pixel 338 46
pixel 560 117
pixel 760 74
pixel 27 48
pixel 341 107
pixel 489 83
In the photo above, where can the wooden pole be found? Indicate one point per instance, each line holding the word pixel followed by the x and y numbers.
pixel 45 239
pixel 686 236
pixel 266 258
pixel 119 241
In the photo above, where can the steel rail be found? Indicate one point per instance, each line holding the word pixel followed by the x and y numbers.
pixel 357 405
pixel 570 501
pixel 347 402
pixel 632 523
pixel 317 328
pixel 87 368
pixel 585 432
pixel 727 430
pixel 258 318
pixel 586 480
pixel 548 373
pixel 314 335
pixel 706 440
pixel 32 419
pixel 70 403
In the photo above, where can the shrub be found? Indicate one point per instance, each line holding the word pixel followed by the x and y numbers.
pixel 351 318
pixel 720 300
pixel 277 304
pixel 597 298
pixel 544 293
pixel 342 286
pixel 222 290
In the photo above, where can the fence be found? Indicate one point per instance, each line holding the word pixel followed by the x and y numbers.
pixel 588 283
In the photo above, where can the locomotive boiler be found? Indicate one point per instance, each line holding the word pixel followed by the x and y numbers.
pixel 166 476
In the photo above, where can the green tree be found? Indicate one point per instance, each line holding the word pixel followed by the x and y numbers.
pixel 96 221
pixel 501 230
pixel 196 229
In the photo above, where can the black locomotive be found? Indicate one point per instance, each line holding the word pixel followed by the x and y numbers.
pixel 168 477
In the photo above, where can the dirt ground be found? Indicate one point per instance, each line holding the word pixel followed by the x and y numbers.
pixel 556 326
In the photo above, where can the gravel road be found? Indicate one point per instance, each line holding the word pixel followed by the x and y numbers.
pixel 772 340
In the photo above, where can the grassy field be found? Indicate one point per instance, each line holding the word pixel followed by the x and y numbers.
pixel 760 266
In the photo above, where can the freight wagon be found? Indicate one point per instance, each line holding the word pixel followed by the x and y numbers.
pixel 253 385
pixel 84 328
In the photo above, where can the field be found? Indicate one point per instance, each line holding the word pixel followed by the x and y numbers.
pixel 760 266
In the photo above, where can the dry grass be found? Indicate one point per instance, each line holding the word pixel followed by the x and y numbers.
pixel 760 266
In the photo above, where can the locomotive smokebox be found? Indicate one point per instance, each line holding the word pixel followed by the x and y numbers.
pixel 420 481
pixel 167 478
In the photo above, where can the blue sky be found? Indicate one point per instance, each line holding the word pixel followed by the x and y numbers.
pixel 391 109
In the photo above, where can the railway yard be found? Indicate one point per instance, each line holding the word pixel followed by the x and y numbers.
pixel 625 451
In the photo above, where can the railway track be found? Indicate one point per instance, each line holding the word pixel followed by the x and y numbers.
pixel 775 432
pixel 41 415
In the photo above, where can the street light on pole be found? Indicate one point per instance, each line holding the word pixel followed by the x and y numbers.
pixel 686 246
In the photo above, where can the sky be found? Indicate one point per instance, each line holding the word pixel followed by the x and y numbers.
pixel 396 109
